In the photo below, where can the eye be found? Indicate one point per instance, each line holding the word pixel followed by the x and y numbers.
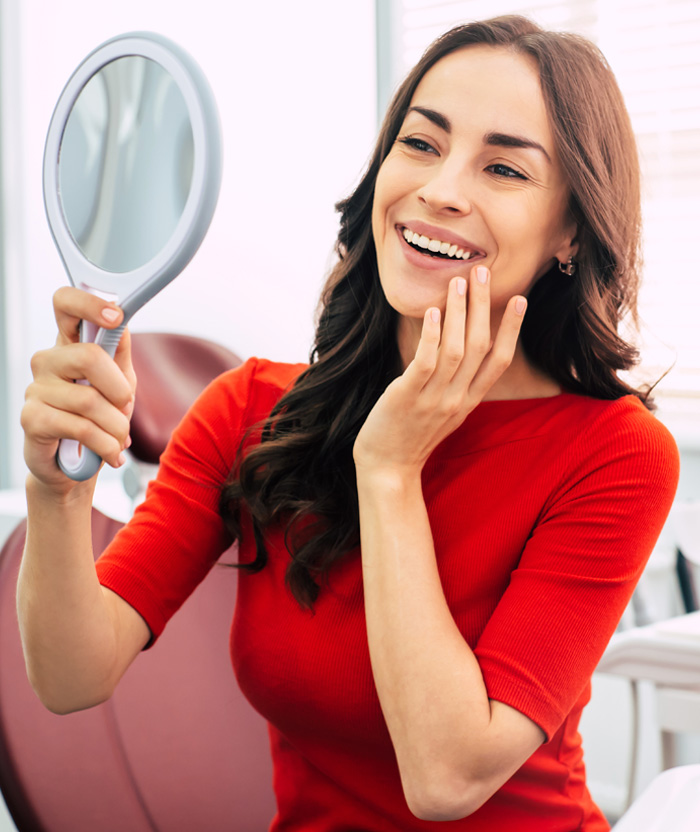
pixel 417 144
pixel 506 172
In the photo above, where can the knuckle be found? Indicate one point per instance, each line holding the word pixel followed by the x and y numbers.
pixel 60 297
pixel 91 356
pixel 28 416
pixel 123 431
pixel 479 346
pixel 87 400
pixel 502 360
pixel 43 421
pixel 30 393
pixel 124 399
pixel 425 364
pixel 450 406
pixel 454 354
pixel 37 361
pixel 86 433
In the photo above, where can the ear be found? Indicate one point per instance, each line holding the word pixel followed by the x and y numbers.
pixel 569 244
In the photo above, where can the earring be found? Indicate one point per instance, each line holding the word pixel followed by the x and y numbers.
pixel 569 267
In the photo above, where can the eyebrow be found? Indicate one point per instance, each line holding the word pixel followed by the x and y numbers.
pixel 493 139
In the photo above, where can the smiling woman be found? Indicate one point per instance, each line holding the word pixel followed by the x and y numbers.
pixel 443 516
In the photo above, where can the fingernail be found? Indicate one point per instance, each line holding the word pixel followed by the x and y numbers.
pixel 520 305
pixel 482 274
pixel 461 286
pixel 121 459
pixel 435 315
pixel 110 315
pixel 127 444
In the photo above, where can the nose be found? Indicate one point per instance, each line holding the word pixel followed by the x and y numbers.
pixel 446 191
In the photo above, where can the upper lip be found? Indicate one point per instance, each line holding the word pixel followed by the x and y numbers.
pixel 441 234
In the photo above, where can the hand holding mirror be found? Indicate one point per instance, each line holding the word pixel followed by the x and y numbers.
pixel 132 169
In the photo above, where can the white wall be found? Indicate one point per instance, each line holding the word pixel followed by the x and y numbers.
pixel 295 85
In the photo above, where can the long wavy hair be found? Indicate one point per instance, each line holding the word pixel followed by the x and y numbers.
pixel 301 474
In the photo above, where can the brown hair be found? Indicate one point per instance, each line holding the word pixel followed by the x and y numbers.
pixel 301 474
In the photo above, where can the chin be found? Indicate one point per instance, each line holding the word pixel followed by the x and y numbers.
pixel 412 300
pixel 414 308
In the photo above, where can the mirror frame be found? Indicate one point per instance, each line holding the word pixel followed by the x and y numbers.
pixel 138 286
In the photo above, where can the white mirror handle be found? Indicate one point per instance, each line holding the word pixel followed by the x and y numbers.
pixel 75 460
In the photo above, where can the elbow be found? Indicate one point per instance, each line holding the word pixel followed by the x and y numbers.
pixel 61 706
pixel 63 702
pixel 444 802
pixel 65 707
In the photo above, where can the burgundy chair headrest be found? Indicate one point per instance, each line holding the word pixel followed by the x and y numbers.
pixel 172 370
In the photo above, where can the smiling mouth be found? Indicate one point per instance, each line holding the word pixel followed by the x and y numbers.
pixel 437 248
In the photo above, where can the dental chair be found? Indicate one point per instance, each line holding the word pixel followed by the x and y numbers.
pixel 177 748
pixel 666 655
pixel 671 803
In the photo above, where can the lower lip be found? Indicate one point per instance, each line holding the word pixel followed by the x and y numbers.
pixel 425 261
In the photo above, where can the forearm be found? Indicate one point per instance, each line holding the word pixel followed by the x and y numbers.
pixel 428 680
pixel 68 632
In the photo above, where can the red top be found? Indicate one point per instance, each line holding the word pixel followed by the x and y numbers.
pixel 543 511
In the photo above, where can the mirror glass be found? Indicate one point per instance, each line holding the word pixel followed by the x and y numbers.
pixel 125 163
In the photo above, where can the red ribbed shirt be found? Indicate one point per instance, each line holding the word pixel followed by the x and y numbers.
pixel 543 512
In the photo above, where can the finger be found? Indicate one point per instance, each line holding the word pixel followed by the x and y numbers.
pixel 451 352
pixel 44 426
pixel 73 305
pixel 503 349
pixel 84 361
pixel 82 400
pixel 478 326
pixel 420 370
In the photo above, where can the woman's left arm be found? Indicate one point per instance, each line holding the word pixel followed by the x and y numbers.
pixel 454 746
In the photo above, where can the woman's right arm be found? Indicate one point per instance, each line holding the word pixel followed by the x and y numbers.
pixel 78 637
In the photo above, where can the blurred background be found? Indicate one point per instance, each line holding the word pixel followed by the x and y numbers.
pixel 301 88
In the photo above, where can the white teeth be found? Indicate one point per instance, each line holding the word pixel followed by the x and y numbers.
pixel 450 249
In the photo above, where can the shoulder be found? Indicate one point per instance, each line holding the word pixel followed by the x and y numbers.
pixel 624 428
pixel 257 384
pixel 218 420
pixel 618 446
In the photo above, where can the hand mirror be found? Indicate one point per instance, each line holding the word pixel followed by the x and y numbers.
pixel 132 169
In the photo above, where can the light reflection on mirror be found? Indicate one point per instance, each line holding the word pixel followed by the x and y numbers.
pixel 125 165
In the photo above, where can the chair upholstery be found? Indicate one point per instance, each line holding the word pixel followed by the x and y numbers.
pixel 177 748
pixel 171 370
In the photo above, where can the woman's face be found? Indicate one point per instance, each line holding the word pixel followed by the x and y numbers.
pixel 473 170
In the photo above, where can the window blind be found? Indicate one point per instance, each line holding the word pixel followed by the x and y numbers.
pixel 654 49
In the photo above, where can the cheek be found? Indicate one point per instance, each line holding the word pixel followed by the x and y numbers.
pixel 520 220
pixel 529 228
pixel 380 205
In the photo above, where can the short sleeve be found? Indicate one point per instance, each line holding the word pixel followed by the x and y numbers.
pixel 580 565
pixel 177 534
